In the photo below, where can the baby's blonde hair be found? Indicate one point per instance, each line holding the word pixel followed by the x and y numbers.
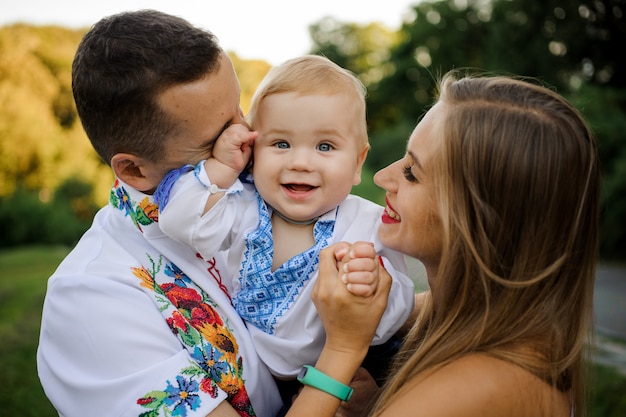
pixel 313 74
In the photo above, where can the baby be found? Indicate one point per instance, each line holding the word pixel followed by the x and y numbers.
pixel 309 143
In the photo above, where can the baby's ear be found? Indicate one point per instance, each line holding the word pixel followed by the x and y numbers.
pixel 359 165
pixel 134 171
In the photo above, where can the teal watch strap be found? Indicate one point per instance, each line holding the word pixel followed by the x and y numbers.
pixel 310 376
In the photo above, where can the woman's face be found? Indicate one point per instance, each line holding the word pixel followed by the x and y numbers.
pixel 411 222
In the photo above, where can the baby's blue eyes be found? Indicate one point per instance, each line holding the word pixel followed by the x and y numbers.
pixel 322 147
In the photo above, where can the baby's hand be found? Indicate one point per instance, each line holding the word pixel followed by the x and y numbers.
pixel 234 147
pixel 361 268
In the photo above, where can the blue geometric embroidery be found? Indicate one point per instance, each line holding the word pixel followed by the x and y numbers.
pixel 161 195
pixel 265 295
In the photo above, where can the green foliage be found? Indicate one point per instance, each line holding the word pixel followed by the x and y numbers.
pixel 26 219
pixel 43 148
pixel 607 392
pixel 64 109
pixel 41 144
pixel 250 74
pixel 79 196
pixel 389 145
pixel 567 44
pixel 364 49
pixel 604 108
pixel 367 188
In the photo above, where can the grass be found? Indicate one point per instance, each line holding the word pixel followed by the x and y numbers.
pixel 608 392
pixel 22 288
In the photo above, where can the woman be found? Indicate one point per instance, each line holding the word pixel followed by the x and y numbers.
pixel 498 196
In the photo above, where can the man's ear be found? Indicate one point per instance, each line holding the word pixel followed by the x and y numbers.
pixel 133 171
pixel 359 167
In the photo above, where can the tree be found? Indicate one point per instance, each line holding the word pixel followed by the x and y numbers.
pixel 569 45
pixel 250 74
pixel 40 142
pixel 363 49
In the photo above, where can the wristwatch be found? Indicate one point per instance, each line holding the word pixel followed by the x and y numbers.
pixel 310 376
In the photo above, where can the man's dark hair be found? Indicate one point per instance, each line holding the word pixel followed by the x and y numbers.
pixel 122 64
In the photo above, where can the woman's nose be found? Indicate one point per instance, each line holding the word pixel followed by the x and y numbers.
pixel 384 177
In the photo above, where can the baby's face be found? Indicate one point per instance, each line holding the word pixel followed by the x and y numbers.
pixel 307 156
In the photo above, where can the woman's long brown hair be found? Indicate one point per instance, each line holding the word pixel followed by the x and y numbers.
pixel 517 183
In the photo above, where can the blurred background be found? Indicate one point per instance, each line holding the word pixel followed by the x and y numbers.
pixel 52 182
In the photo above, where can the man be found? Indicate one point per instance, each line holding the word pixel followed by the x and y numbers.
pixel 133 322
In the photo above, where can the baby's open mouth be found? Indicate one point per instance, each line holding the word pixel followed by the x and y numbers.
pixel 299 187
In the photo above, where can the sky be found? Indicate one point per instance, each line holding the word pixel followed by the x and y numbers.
pixel 272 30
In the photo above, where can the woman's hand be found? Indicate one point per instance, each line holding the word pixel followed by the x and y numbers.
pixel 349 320
pixel 366 392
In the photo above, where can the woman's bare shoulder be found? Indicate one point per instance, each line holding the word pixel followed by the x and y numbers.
pixel 477 385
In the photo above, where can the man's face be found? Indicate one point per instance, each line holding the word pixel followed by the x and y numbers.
pixel 202 109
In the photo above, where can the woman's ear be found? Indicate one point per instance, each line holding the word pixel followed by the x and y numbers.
pixel 133 170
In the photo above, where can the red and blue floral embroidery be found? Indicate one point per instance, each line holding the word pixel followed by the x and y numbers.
pixel 216 364
pixel 191 315
pixel 175 398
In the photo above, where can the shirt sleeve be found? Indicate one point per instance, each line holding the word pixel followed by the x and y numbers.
pixel 183 220
pixel 117 356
